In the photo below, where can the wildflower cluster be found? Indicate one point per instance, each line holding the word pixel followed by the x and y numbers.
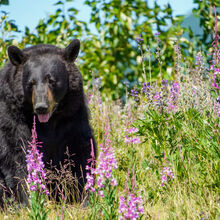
pixel 174 93
pixel 146 88
pixel 90 176
pixel 103 172
pixel 139 39
pixel 157 97
pixel 215 67
pixel 135 94
pixel 36 178
pixel 130 205
pixel 100 180
pixel 129 139
pixel 35 166
pixel 165 174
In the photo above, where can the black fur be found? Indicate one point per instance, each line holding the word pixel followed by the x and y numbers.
pixel 67 127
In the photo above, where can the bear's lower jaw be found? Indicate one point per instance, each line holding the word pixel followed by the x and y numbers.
pixel 43 118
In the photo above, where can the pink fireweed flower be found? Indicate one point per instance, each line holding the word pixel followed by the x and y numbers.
pixel 215 66
pixel 156 97
pixel 90 175
pixel 131 130
pixel 135 140
pixel 216 79
pixel 130 205
pixel 101 193
pixel 105 167
pixel 35 166
pixel 90 182
pixel 165 174
pixel 103 172
pixel 132 140
pixel 217 108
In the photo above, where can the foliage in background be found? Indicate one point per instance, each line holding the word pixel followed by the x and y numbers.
pixel 8 33
pixel 204 12
pixel 109 50
pixel 173 151
pixel 4 2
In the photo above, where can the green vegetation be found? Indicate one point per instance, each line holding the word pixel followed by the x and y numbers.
pixel 164 131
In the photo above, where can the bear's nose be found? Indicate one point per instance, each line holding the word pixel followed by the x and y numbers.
pixel 41 108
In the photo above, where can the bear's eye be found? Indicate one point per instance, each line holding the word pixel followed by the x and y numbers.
pixel 51 81
pixel 31 84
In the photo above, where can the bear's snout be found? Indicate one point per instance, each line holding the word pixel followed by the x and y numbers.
pixel 41 108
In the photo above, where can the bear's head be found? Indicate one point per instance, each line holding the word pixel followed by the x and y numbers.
pixel 45 74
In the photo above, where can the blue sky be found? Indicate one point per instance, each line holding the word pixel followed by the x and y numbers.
pixel 28 12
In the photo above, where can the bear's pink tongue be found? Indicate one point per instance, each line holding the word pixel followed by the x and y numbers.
pixel 44 117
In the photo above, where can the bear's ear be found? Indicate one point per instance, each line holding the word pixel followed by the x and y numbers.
pixel 72 50
pixel 15 55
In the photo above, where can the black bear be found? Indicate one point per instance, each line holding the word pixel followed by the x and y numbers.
pixel 42 80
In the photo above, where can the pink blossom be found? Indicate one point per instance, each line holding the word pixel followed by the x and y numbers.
pixel 165 173
pixel 130 205
pixel 103 172
pixel 35 166
pixel 131 130
pixel 132 140
pixel 101 193
pixel 135 140
pixel 90 175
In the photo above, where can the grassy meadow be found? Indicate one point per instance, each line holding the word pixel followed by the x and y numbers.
pixel 163 125
pixel 158 149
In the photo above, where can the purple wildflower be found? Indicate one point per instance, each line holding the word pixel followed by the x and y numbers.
pixel 90 176
pixel 174 93
pixel 164 83
pixel 135 140
pixel 130 205
pixel 103 171
pixel 199 59
pixel 146 89
pixel 165 173
pixel 157 96
pixel 217 107
pixel 105 167
pixel 215 66
pixel 139 39
pixel 157 34
pixel 216 79
pixel 35 166
pixel 134 93
pixel 132 140
pixel 97 83
pixel 131 130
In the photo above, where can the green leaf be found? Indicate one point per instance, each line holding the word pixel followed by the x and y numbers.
pixel 4 2
pixel 59 3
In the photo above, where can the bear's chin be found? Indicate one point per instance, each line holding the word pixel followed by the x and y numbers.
pixel 43 118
